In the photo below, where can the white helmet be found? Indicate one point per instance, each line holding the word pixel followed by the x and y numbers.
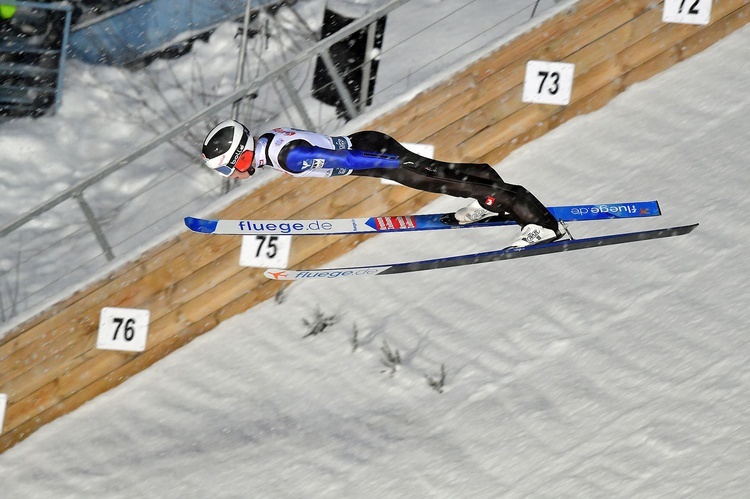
pixel 229 147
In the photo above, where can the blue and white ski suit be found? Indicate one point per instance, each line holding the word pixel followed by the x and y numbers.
pixel 301 153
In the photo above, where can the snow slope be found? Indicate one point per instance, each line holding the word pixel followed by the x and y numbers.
pixel 617 371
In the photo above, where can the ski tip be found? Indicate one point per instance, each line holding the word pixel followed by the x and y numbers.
pixel 201 225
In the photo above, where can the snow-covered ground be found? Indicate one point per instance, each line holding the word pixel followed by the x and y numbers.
pixel 611 372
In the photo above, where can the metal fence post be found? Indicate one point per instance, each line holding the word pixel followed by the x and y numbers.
pixel 228 183
pixel 287 82
pixel 63 56
pixel 338 82
pixel 95 227
pixel 367 67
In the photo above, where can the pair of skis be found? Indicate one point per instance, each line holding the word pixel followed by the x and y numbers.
pixel 376 225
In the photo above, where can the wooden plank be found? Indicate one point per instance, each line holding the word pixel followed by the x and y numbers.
pixel 140 285
pixel 503 96
pixel 584 106
pixel 514 126
pixel 96 365
pixel 56 315
pixel 725 20
pixel 721 28
pixel 511 75
pixel 532 41
pixel 514 51
pixel 148 255
pixel 64 406
pixel 641 55
pixel 519 126
pixel 28 381
pixel 131 292
pixel 636 63
pixel 86 322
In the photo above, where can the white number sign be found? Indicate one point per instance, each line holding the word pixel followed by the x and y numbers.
pixel 3 403
pixel 687 11
pixel 426 150
pixel 548 82
pixel 265 251
pixel 123 329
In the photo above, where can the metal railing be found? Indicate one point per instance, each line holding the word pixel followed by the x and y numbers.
pixel 282 72
pixel 117 223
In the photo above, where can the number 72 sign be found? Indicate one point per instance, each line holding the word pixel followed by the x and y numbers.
pixel 687 11
pixel 548 82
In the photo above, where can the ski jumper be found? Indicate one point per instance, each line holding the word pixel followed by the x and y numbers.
pixel 374 154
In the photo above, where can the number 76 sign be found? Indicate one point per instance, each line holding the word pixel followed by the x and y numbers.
pixel 123 329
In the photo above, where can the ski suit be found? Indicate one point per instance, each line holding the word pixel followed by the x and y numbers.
pixel 374 154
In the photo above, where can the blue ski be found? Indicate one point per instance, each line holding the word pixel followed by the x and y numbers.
pixel 471 259
pixel 377 225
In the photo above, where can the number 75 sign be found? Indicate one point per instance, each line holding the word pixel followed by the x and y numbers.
pixel 548 82
pixel 265 251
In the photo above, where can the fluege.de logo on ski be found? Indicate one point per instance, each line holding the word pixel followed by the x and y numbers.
pixel 283 227
pixel 605 208
pixel 332 274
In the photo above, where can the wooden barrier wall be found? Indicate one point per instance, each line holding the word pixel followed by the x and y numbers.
pixel 50 364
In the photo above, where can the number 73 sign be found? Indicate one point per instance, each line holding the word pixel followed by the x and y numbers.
pixel 548 82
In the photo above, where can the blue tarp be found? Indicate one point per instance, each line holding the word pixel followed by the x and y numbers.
pixel 145 27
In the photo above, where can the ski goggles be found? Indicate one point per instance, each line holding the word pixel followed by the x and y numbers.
pixel 243 163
